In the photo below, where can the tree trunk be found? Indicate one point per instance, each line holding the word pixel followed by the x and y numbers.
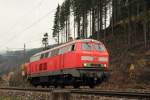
pixel 90 23
pixel 112 26
pixel 98 17
pixel 101 18
pixel 78 23
pixel 69 34
pixel 129 26
pixel 66 31
pixel 145 24
pixel 74 27
pixel 105 22
pixel 83 25
pixel 58 36
pixel 93 21
pixel 86 25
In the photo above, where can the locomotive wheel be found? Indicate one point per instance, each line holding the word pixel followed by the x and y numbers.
pixel 62 86
pixel 91 86
pixel 35 85
pixel 76 85
pixel 43 86
pixel 47 86
pixel 55 86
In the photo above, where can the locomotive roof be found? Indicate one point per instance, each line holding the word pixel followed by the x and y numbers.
pixel 65 44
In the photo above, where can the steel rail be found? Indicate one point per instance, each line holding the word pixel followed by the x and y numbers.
pixel 26 89
pixel 113 93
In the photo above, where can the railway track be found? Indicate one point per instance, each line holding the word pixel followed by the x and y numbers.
pixel 111 93
pixel 26 89
pixel 115 93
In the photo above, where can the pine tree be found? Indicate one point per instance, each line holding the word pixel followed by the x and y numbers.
pixel 56 27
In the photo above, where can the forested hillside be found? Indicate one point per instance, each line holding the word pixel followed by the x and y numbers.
pixel 12 60
pixel 103 18
pixel 122 25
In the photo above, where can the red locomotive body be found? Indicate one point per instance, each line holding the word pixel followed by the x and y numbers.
pixel 79 62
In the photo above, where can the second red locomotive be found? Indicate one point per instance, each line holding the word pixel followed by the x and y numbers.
pixel 76 63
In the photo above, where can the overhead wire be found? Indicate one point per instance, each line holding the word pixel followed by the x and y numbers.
pixel 30 26
pixel 18 21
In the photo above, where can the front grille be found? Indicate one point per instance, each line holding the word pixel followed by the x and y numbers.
pixel 96 65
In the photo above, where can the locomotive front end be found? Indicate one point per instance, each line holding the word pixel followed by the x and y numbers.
pixel 94 61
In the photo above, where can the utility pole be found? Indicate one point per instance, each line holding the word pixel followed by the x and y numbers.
pixel 24 52
pixel 45 41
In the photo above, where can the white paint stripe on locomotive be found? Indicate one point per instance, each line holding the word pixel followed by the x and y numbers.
pixel 72 42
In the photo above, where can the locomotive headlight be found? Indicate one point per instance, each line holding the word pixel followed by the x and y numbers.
pixel 85 64
pixel 103 59
pixel 105 65
pixel 89 58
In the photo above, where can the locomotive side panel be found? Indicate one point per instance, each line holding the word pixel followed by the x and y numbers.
pixel 70 60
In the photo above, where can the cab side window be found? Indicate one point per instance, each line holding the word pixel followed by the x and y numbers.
pixel 55 52
pixel 67 49
pixel 42 56
pixel 46 54
pixel 73 47
pixel 61 51
pixel 35 58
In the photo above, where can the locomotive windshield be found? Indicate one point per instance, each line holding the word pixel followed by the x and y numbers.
pixel 87 46
pixel 99 47
pixel 93 46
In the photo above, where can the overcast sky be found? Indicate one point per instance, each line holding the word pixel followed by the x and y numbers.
pixel 25 21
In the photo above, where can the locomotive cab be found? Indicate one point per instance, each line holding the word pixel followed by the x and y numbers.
pixel 93 54
pixel 92 61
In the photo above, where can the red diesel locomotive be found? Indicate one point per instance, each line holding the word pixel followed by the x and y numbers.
pixel 76 63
